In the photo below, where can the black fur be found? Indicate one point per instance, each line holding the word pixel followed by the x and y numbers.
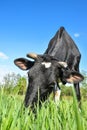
pixel 41 80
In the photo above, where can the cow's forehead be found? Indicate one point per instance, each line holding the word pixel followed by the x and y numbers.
pixel 47 64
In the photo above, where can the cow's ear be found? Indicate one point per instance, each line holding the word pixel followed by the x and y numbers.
pixel 23 63
pixel 74 77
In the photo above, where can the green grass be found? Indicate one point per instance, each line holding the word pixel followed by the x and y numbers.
pixel 62 116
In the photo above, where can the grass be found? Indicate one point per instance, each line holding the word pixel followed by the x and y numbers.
pixel 62 116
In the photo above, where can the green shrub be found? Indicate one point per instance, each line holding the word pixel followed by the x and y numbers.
pixel 14 84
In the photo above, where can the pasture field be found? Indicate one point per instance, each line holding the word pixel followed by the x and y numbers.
pixel 51 116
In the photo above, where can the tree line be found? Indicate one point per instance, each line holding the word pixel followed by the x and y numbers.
pixel 16 84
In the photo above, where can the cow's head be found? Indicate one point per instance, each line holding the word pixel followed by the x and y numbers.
pixel 43 73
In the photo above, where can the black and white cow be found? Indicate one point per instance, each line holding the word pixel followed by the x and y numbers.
pixel 59 62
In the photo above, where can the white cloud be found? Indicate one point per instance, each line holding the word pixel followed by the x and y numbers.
pixel 3 56
pixel 76 35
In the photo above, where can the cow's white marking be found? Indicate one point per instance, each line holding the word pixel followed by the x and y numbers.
pixel 57 95
pixel 64 64
pixel 47 64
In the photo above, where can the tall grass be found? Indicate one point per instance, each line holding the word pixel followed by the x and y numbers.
pixel 62 116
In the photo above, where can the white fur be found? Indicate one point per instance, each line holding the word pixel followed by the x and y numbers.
pixel 63 64
pixel 57 95
pixel 47 64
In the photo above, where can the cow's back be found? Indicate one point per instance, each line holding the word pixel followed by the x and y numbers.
pixel 62 47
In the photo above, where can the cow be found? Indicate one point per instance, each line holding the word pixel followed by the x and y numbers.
pixel 60 62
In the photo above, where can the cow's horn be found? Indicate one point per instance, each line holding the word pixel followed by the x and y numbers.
pixel 32 55
pixel 63 64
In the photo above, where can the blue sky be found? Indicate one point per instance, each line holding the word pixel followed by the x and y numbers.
pixel 28 25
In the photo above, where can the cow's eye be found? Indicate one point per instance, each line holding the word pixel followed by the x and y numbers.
pixel 28 74
pixel 30 79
